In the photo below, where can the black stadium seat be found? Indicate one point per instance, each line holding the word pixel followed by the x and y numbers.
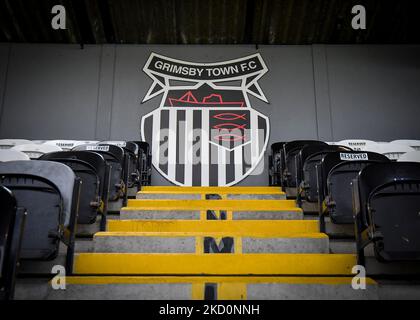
pixel 276 160
pixel 131 153
pixel 307 160
pixel 144 162
pixel 12 222
pixel 114 155
pixel 334 178
pixel 386 207
pixel 291 151
pixel 93 170
pixel 50 193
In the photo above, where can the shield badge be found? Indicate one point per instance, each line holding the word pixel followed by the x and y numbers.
pixel 205 132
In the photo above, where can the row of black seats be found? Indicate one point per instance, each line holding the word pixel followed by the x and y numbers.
pixel 59 191
pixel 107 171
pixel 379 197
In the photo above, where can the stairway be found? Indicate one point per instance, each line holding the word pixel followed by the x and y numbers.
pixel 212 243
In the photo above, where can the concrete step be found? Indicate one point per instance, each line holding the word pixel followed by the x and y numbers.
pixel 291 193
pixel 187 287
pixel 171 192
pixel 309 207
pixel 375 268
pixel 115 206
pixel 45 267
pixel 396 269
pixel 339 230
pixel 202 215
pixel 203 242
pixel 234 227
pixel 398 290
pixel 84 230
pixel 132 192
pixel 342 246
pixel 348 246
pixel 198 209
pixel 213 264
pixel 255 205
pixel 199 196
pixel 213 190
pixel 332 229
pixel 84 245
pixel 88 230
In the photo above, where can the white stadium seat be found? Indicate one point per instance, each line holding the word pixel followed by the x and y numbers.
pixel 34 151
pixel 413 156
pixel 66 145
pixel 12 155
pixel 393 151
pixel 120 144
pixel 10 143
pixel 412 143
pixel 359 144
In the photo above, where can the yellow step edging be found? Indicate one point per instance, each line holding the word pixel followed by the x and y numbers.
pixel 228 288
pixel 199 238
pixel 211 190
pixel 101 280
pixel 228 205
pixel 268 227
pixel 211 234
pixel 214 264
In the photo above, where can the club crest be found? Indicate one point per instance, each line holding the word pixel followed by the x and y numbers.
pixel 205 132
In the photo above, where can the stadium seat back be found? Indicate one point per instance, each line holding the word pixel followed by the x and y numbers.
pixel 337 171
pixel 91 168
pixel 393 150
pixel 389 204
pixel 309 157
pixel 276 163
pixel 291 152
pixel 144 162
pixel 415 144
pixel 339 190
pixel 8 209
pixel 66 145
pixel 34 151
pixel 12 155
pixel 114 155
pixel 45 215
pixel 47 190
pixel 10 143
pixel 12 220
pixel 412 156
pixel 359 144
pixel 131 153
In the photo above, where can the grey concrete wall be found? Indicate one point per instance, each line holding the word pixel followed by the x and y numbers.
pixel 4 63
pixel 324 92
pixel 374 91
pixel 51 91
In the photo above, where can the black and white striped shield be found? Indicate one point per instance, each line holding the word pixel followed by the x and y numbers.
pixel 205 133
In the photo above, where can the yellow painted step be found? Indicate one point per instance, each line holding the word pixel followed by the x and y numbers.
pixel 236 288
pixel 213 264
pixel 184 242
pixel 214 234
pixel 213 190
pixel 267 227
pixel 94 280
pixel 230 205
